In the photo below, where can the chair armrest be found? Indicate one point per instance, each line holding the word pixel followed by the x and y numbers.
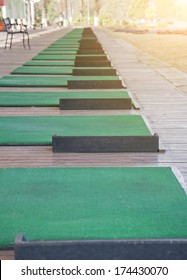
pixel 14 27
pixel 23 27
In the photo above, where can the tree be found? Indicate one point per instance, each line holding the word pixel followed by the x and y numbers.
pixel 53 11
pixel 137 9
pixel 97 7
pixel 151 11
pixel 165 9
pixel 115 9
pixel 82 8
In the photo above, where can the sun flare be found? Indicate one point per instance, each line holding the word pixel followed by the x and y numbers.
pixel 182 2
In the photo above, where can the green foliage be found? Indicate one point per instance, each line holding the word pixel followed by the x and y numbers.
pixel 80 20
pixel 104 20
pixel 52 11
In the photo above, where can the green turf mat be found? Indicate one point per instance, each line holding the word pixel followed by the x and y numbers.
pixel 51 98
pixel 59 48
pixel 51 71
pixel 49 63
pixel 63 44
pixel 36 81
pixel 33 81
pixel 32 130
pixel 54 57
pixel 91 203
pixel 72 39
pixel 14 99
pixel 43 70
pixel 73 35
pixel 63 48
pixel 68 40
pixel 64 57
pixel 57 52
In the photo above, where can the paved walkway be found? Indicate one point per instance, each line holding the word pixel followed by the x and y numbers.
pixel 159 90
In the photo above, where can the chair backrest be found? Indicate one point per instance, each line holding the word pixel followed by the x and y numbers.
pixel 7 23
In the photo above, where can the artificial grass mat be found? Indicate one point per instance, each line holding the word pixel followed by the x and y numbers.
pixel 70 39
pixel 49 63
pixel 63 48
pixel 38 130
pixel 37 81
pixel 54 57
pixel 59 52
pixel 34 81
pixel 43 70
pixel 51 71
pixel 65 56
pixel 52 98
pixel 91 203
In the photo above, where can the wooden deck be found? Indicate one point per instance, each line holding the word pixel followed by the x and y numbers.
pixel 156 87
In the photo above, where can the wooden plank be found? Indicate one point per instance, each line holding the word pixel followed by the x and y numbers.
pixel 7 255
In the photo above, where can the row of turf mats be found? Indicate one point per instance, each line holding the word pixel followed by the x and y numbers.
pixel 38 130
pixel 91 203
pixel 54 57
pixel 66 52
pixel 65 47
pixel 37 81
pixel 69 57
pixel 59 52
pixel 43 70
pixel 55 63
pixel 49 63
pixel 13 99
pixel 85 203
pixel 61 48
pixel 77 41
pixel 58 70
pixel 65 42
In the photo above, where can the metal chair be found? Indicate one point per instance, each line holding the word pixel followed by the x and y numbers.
pixel 12 29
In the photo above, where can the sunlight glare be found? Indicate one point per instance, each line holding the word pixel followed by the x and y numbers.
pixel 182 2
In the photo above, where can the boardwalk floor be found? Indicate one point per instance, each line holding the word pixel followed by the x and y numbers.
pixel 155 86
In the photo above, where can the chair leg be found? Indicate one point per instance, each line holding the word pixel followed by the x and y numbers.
pixel 11 40
pixel 6 41
pixel 28 41
pixel 24 40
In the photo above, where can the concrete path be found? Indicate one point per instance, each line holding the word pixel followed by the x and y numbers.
pixel 160 90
